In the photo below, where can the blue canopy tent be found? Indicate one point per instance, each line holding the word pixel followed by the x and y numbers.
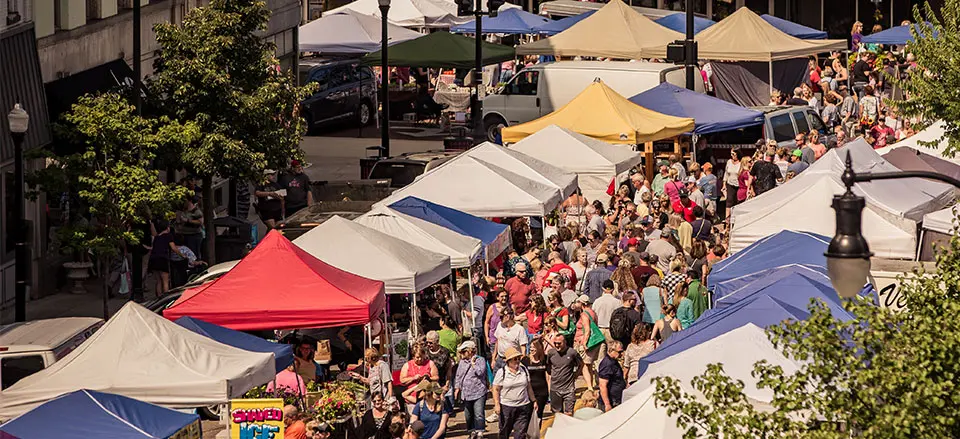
pixel 510 21
pixel 898 35
pixel 557 26
pixel 678 22
pixel 86 413
pixel 764 305
pixel 787 248
pixel 710 114
pixel 495 237
pixel 793 29
pixel 282 353
pixel 784 282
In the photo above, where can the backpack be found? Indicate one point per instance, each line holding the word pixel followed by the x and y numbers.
pixel 620 324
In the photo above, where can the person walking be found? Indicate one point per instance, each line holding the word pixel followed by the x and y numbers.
pixel 269 199
pixel 652 300
pixel 378 379
pixel 563 366
pixel 492 321
pixel 590 344
pixel 190 225
pixel 297 185
pixel 520 288
pixel 512 393
pixel 605 307
pixel 160 251
pixel 432 410
pixel 470 386
pixel 536 364
pixel 625 318
pixel 510 335
pixel 440 357
pixel 612 383
pixel 536 316
pixel 684 306
pixel 640 346
pixel 666 326
pixel 745 180
pixel 417 370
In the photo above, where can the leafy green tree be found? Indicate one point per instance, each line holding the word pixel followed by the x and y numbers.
pixel 111 176
pixel 882 375
pixel 932 86
pixel 219 75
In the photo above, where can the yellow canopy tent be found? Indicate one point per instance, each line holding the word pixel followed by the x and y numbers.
pixel 615 30
pixel 601 113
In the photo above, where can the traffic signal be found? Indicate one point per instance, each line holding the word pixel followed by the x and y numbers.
pixel 493 6
pixel 464 7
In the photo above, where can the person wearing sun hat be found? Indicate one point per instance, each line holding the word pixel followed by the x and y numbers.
pixel 432 410
pixel 512 397
pixel 470 386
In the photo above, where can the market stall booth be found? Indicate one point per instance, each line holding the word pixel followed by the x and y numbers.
pixel 462 250
pixel 600 112
pixel 889 222
pixel 87 413
pixel 442 50
pixel 282 353
pixel 755 56
pixel 794 29
pixel 899 34
pixel 933 134
pixel 494 236
pixel 909 159
pixel 349 32
pixel 787 248
pixel 596 163
pixel 637 414
pixel 937 230
pixel 491 181
pixel 556 26
pixel 615 31
pixel 142 355
pixel 678 22
pixel 296 290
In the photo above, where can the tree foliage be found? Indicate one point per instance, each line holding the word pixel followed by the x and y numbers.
pixel 933 88
pixel 882 375
pixel 111 176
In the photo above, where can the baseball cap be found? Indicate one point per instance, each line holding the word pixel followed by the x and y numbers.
pixel 583 299
pixel 691 179
pixel 797 153
pixel 644 256
pixel 683 193
pixel 632 241
pixel 646 220
pixel 269 171
pixel 602 257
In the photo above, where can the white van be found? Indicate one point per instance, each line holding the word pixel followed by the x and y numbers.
pixel 27 348
pixel 540 89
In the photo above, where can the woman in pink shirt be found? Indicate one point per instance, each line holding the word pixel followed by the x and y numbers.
pixel 813 140
pixel 289 380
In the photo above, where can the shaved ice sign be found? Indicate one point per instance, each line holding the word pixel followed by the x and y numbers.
pixel 256 419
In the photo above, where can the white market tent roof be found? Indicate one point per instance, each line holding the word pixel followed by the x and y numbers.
pixel 462 250
pixel 940 221
pixel 349 32
pixel 492 181
pixel 144 356
pixel 595 162
pixel 933 133
pixel 352 247
pixel 408 13
pixel 635 417
pixel 737 350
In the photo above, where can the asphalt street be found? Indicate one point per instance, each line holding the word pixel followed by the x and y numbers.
pixel 334 153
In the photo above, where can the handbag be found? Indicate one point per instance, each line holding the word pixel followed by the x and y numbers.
pixel 596 337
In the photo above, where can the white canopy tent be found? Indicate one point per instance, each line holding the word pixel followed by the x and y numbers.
pixel 349 32
pixel 144 356
pixel 936 231
pixel 492 181
pixel 932 133
pixel 402 267
pixel 595 162
pixel 636 417
pixel 408 13
pixel 737 350
pixel 462 250
pixel 940 221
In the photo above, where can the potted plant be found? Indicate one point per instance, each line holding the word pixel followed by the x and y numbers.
pixel 72 238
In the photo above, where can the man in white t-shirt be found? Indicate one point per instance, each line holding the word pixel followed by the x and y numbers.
pixel 509 335
pixel 604 306
pixel 640 186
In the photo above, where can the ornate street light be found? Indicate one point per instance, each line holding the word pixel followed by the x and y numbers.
pixel 384 81
pixel 19 122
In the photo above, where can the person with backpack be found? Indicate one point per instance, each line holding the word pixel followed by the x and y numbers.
pixel 604 306
pixel 625 318
pixel 513 397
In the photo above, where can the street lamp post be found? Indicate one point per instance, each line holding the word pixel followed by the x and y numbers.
pixel 19 122
pixel 479 134
pixel 848 254
pixel 384 82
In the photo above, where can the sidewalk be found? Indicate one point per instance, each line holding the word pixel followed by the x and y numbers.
pixel 66 304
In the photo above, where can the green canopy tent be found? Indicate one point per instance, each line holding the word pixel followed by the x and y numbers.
pixel 441 50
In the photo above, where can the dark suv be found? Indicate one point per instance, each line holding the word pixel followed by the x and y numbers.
pixel 346 92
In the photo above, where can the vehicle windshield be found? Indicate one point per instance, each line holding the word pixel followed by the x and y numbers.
pixel 400 174
pixel 13 369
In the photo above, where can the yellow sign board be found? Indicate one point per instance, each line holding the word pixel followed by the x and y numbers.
pixel 256 419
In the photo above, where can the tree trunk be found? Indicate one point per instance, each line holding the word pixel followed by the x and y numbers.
pixel 210 246
pixel 105 277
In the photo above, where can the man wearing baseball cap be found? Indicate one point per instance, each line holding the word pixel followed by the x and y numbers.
pixel 297 185
pixel 684 206
pixel 695 195
pixel 797 165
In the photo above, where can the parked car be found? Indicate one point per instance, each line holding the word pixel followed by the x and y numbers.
pixel 29 347
pixel 213 273
pixel 405 168
pixel 346 91
pixel 541 89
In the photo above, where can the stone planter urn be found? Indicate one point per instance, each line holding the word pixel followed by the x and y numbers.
pixel 78 273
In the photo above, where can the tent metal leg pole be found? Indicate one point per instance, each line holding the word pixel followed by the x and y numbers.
pixel 470 287
pixel 770 67
pixel 919 245
pixel 414 318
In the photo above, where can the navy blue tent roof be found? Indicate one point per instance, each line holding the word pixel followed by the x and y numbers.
pixel 86 413
pixel 787 248
pixel 897 35
pixel 510 21
pixel 763 303
pixel 282 353
pixel 709 113
pixel 463 223
pixel 678 22
pixel 793 29
pixel 557 26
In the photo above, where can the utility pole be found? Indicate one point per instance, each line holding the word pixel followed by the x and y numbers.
pixel 690 48
pixel 138 251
